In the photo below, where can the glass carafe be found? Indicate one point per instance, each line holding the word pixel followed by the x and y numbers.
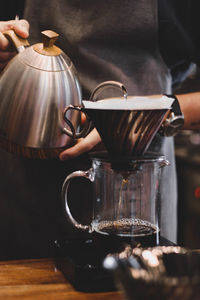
pixel 126 198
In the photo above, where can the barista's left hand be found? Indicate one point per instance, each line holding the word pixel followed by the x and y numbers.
pixel 83 145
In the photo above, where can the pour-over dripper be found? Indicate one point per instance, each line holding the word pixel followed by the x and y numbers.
pixel 127 125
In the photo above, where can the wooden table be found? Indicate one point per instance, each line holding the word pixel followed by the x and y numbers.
pixel 39 279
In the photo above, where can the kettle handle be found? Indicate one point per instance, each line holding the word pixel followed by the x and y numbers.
pixel 73 134
pixel 18 42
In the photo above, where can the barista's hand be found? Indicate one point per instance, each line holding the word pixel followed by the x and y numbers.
pixel 21 27
pixel 83 145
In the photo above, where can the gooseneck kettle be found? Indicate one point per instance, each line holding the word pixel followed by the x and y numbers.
pixel 35 87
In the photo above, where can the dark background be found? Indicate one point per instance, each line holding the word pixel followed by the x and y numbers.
pixel 10 8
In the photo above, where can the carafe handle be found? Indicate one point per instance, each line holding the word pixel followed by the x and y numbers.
pixel 64 194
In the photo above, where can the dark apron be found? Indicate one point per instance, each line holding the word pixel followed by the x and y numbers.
pixel 106 40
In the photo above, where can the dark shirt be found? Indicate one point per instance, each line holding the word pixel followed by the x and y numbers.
pixel 179 39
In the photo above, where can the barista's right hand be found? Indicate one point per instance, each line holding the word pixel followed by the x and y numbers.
pixel 21 28
pixel 91 142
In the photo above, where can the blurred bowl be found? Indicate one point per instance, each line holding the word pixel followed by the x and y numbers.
pixel 157 273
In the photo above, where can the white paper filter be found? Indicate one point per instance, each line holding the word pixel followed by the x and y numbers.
pixel 131 103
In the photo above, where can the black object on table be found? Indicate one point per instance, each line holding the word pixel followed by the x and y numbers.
pixel 81 263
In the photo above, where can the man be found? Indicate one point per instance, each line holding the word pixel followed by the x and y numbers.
pixel 106 40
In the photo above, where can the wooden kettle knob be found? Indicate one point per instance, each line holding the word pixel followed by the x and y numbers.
pixel 47 46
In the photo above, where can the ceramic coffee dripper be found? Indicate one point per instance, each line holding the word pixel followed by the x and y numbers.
pixel 126 124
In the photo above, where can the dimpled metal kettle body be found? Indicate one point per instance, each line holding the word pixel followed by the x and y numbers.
pixel 35 87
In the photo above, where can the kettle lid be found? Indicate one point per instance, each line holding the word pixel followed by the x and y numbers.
pixel 47 46
pixel 44 56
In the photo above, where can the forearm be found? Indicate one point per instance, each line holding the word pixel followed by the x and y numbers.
pixel 190 106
